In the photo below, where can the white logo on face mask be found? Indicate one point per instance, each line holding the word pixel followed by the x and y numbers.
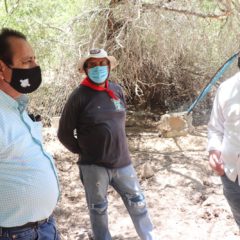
pixel 25 83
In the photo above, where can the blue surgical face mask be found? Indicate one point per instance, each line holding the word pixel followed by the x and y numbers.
pixel 98 74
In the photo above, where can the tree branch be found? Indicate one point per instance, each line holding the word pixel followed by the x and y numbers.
pixel 149 6
pixel 14 7
pixel 6 6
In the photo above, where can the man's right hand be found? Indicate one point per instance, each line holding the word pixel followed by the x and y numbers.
pixel 215 163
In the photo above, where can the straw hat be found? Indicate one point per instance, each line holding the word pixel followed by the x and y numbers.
pixel 97 53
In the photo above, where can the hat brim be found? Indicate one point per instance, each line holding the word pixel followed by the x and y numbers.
pixel 112 60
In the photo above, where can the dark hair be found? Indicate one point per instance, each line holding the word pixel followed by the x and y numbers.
pixel 85 65
pixel 5 48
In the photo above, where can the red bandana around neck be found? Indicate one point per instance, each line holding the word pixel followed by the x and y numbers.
pixel 86 82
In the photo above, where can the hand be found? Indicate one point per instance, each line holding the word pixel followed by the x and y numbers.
pixel 215 163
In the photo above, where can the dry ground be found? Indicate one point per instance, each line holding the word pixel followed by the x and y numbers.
pixel 184 198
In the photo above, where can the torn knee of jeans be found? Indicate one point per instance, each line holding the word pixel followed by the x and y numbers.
pixel 99 208
pixel 136 200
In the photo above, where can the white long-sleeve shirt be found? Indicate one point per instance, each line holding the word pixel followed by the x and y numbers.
pixel 224 126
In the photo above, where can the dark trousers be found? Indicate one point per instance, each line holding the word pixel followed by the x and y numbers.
pixel 231 192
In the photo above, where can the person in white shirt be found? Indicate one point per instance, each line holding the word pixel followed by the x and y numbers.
pixel 224 141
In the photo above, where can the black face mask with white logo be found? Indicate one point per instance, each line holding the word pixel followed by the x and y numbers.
pixel 26 80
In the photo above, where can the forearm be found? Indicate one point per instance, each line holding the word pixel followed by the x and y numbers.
pixel 215 138
pixel 68 140
pixel 68 123
pixel 216 126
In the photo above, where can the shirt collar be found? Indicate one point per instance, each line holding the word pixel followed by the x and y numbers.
pixel 20 103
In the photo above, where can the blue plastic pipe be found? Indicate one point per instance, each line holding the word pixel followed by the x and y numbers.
pixel 213 80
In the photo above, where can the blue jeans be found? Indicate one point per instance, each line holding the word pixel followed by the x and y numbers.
pixel 231 192
pixel 46 231
pixel 124 180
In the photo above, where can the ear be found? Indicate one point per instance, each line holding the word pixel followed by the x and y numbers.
pixel 2 69
pixel 109 66
pixel 85 71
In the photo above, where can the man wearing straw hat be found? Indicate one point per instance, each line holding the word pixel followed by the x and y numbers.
pixel 93 125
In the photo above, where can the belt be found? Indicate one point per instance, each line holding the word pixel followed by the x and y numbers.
pixel 27 225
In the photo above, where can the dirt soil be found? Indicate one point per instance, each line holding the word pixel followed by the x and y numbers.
pixel 184 197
